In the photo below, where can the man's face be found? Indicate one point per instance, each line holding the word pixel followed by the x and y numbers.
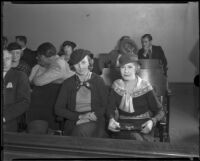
pixel 7 60
pixel 146 43
pixel 21 43
pixel 16 55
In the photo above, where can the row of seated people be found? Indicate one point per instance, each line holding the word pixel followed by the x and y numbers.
pixel 83 99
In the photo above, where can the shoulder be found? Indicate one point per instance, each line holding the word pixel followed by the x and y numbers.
pixel 96 78
pixel 156 47
pixel 69 81
pixel 18 75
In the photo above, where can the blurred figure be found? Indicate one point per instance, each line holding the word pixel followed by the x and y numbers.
pixel 4 42
pixel 149 51
pixel 46 78
pixel 82 99
pixel 137 105
pixel 28 55
pixel 16 94
pixel 66 49
pixel 125 45
pixel 17 62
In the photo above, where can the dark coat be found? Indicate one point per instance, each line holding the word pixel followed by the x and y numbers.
pixel 157 53
pixel 16 98
pixel 66 100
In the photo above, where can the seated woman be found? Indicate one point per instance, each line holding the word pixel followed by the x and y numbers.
pixel 82 99
pixel 134 98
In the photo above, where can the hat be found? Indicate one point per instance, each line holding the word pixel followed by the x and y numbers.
pixel 128 58
pixel 77 55
pixel 69 43
pixel 14 46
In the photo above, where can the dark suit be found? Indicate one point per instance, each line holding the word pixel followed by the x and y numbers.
pixel 29 57
pixel 157 53
pixel 16 97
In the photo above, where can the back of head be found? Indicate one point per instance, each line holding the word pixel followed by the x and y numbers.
pixel 47 49
pixel 21 38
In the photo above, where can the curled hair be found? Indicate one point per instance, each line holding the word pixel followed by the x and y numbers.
pixel 90 67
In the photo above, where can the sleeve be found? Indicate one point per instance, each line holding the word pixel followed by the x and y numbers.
pixel 112 104
pixel 163 59
pixel 61 106
pixel 155 106
pixel 50 75
pixel 103 93
pixel 33 72
pixel 22 101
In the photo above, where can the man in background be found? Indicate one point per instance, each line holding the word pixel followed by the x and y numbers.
pixel 149 51
pixel 28 56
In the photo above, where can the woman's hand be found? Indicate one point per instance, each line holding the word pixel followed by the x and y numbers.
pixel 113 125
pixel 90 115
pixel 147 127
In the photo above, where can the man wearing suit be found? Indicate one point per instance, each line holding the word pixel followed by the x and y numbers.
pixel 28 56
pixel 150 51
pixel 16 94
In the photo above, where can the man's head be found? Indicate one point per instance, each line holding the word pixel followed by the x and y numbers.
pixel 7 60
pixel 45 51
pixel 16 51
pixel 21 40
pixel 146 41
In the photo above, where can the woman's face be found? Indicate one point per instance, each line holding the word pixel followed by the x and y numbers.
pixel 82 67
pixel 7 60
pixel 16 55
pixel 128 71
pixel 68 51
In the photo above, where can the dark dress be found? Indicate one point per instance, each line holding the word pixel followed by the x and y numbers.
pixel 43 99
pixel 66 106
pixel 145 107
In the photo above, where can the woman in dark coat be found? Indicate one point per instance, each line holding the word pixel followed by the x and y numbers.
pixel 82 99
pixel 136 103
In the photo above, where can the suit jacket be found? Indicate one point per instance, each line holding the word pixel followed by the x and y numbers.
pixel 16 94
pixel 29 57
pixel 157 53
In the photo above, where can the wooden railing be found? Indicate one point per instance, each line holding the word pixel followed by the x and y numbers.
pixel 18 145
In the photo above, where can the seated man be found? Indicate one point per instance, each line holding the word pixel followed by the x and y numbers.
pixel 28 55
pixel 16 94
pixel 47 77
pixel 17 63
pixel 149 51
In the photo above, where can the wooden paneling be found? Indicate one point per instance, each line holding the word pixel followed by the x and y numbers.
pixel 45 146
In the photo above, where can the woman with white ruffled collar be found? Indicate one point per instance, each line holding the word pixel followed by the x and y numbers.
pixel 137 105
